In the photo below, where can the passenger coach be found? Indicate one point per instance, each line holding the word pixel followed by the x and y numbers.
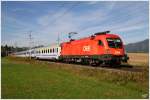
pixel 49 52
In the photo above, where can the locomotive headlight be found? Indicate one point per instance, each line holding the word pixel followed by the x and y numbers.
pixel 117 52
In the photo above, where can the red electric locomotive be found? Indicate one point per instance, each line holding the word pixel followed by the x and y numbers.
pixel 100 48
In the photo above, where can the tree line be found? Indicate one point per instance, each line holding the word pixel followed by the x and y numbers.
pixel 6 50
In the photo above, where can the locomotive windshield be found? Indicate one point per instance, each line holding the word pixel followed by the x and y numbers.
pixel 114 42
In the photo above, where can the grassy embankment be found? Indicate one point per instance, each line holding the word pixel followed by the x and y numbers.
pixel 22 78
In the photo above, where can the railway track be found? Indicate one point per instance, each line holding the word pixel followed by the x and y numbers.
pixel 128 68
pixel 124 67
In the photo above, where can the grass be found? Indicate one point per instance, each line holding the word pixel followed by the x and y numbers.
pixel 24 78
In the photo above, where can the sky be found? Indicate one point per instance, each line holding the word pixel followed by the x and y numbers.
pixel 46 20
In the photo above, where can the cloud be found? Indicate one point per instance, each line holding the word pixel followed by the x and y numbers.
pixel 130 28
pixel 113 16
pixel 46 19
pixel 130 25
pixel 87 22
pixel 9 21
pixel 134 24
pixel 70 22
pixel 71 19
pixel 92 2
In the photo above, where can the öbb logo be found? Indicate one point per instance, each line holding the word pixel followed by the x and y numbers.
pixel 86 48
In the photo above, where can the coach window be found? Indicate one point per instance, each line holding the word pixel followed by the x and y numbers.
pixel 53 50
pixel 57 49
pixel 100 43
pixel 50 50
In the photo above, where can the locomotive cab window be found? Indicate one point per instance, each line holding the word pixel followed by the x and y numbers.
pixel 114 42
pixel 100 43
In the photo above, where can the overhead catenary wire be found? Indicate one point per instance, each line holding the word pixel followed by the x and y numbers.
pixel 114 17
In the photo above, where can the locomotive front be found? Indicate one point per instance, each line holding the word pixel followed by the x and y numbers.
pixel 114 49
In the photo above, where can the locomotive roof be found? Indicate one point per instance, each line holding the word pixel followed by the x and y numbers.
pixel 51 46
pixel 97 35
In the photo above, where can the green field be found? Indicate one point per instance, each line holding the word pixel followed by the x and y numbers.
pixel 23 78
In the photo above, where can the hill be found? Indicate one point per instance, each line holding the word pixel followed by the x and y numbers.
pixel 142 46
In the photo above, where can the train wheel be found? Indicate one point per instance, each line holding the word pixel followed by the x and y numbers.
pixel 94 62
